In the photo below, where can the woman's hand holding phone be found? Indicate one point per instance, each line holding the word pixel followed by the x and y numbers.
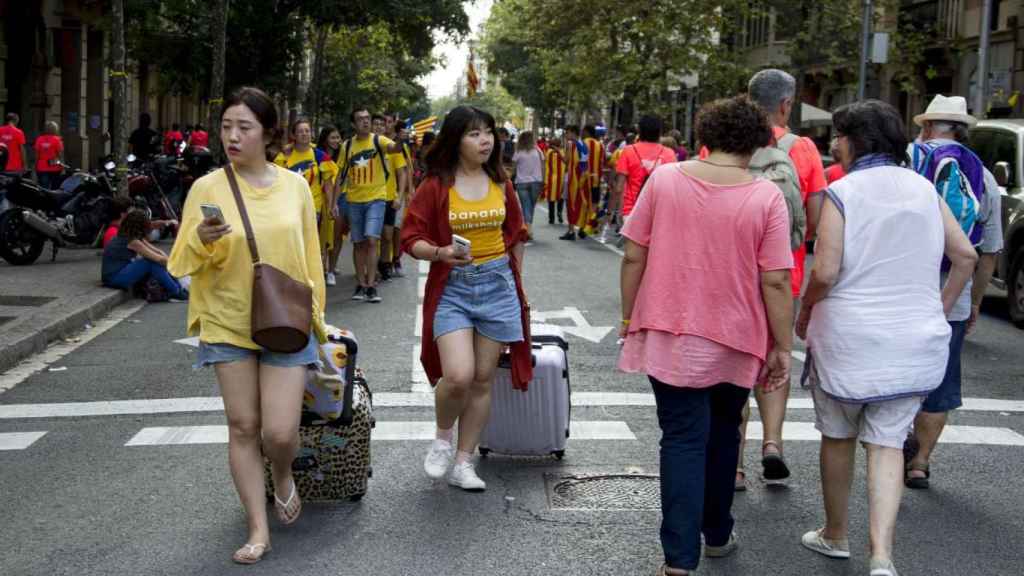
pixel 213 227
pixel 452 254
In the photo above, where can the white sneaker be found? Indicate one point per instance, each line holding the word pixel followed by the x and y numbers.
pixel 604 236
pixel 815 540
pixel 464 476
pixel 331 280
pixel 439 458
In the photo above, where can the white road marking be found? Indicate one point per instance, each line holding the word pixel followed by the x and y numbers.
pixel 19 440
pixel 418 330
pixel 420 383
pixel 421 287
pixel 424 266
pixel 801 356
pixel 192 342
pixel 384 431
pixel 422 397
pixel 582 327
pixel 38 362
pixel 985 435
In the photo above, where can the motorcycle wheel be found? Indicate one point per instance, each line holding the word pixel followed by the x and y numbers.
pixel 20 245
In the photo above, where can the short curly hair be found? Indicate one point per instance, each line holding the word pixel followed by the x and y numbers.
pixel 733 125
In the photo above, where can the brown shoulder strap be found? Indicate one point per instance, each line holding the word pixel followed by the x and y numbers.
pixel 249 238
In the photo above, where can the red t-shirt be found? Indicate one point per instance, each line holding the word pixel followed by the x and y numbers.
pixel 170 137
pixel 48 147
pixel 200 138
pixel 811 173
pixel 834 172
pixel 636 162
pixel 109 234
pixel 14 138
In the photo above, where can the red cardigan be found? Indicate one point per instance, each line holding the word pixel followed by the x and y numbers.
pixel 427 219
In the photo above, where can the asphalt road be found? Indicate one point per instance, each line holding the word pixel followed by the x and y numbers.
pixel 79 501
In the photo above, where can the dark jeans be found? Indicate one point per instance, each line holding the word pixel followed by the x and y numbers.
pixel 48 180
pixel 551 210
pixel 138 269
pixel 700 438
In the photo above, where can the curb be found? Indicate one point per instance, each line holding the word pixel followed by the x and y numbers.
pixel 70 322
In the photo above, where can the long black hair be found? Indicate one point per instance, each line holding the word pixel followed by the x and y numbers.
pixel 443 155
pixel 322 144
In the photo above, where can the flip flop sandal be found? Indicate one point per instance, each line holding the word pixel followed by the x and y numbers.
pixel 663 571
pixel 916 482
pixel 283 515
pixel 250 553
pixel 741 480
pixel 774 466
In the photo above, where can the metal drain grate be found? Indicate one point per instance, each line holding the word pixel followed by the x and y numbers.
pixel 604 492
pixel 31 301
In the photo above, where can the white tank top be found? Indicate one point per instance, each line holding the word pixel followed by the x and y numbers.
pixel 881 332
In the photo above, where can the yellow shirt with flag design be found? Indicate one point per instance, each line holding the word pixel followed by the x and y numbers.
pixel 365 181
pixel 284 225
pixel 480 222
pixel 395 162
pixel 319 176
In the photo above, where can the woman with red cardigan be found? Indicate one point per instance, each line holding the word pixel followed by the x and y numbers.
pixel 474 303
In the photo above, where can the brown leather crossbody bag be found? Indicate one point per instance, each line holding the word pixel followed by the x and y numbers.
pixel 282 308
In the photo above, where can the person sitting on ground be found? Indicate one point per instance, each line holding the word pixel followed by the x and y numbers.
pixel 874 318
pixel 119 207
pixel 129 258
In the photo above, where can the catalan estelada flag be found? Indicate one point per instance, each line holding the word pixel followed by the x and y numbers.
pixel 472 81
pixel 421 127
pixel 554 175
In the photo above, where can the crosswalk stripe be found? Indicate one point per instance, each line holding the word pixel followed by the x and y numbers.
pixel 19 440
pixel 986 435
pixel 420 382
pixel 422 396
pixel 424 267
pixel 421 287
pixel 384 431
pixel 418 331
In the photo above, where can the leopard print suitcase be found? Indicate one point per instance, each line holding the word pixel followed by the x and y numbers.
pixel 333 462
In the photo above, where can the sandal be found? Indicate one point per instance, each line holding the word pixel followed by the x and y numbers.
pixel 741 480
pixel 250 553
pixel 775 468
pixel 917 482
pixel 664 571
pixel 283 508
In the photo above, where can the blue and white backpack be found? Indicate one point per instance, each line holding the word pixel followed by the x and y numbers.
pixel 959 178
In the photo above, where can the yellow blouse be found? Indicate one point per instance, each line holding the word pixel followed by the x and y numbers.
pixel 284 223
pixel 479 222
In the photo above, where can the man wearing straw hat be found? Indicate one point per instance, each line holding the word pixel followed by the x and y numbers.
pixel 945 127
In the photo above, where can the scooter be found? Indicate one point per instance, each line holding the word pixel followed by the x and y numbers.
pixel 71 217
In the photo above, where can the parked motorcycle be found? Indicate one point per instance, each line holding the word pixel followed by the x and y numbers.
pixel 71 217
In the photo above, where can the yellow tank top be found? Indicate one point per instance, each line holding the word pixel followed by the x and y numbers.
pixel 479 222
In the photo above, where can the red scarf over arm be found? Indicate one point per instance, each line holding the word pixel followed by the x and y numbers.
pixel 427 219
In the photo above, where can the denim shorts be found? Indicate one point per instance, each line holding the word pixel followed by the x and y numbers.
pixel 366 219
pixel 482 297
pixel 343 205
pixel 210 354
pixel 948 395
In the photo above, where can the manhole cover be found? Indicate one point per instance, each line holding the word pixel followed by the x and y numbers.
pixel 605 492
pixel 32 301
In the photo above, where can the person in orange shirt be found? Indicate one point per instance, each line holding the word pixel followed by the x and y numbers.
pixel 49 157
pixel 12 137
pixel 554 180
pixel 775 92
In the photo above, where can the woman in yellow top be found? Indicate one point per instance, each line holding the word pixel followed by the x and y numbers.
pixel 472 305
pixel 262 390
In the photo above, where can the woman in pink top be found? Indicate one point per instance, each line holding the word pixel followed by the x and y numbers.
pixel 707 314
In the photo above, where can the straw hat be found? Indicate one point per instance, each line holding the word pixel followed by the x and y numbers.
pixel 952 109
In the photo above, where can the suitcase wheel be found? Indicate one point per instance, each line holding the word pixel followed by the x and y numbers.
pixel 484 452
pixel 356 497
pixel 559 454
pixel 369 472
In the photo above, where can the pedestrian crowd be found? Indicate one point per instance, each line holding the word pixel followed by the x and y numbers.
pixel 718 237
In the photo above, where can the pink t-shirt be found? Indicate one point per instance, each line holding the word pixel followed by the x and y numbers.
pixel 700 300
pixel 637 161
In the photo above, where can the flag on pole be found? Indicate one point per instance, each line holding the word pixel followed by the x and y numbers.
pixel 472 81
pixel 421 127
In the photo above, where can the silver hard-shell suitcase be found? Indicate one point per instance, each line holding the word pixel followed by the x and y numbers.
pixel 535 422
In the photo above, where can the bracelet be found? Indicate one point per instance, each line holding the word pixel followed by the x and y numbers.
pixel 437 254
pixel 625 321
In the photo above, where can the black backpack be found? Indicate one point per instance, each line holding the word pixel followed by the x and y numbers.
pixel 380 155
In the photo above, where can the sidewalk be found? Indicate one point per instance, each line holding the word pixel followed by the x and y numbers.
pixel 47 300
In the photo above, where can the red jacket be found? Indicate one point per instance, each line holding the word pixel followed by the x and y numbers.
pixel 427 219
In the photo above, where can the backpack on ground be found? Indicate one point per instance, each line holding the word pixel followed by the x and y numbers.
pixel 959 178
pixel 773 163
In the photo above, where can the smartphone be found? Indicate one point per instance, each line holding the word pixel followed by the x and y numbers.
pixel 212 211
pixel 462 246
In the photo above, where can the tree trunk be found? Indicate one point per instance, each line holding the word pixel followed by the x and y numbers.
pixel 119 79
pixel 316 82
pixel 218 29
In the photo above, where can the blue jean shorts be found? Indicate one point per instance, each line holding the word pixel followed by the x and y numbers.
pixel 366 219
pixel 210 354
pixel 482 297
pixel 948 395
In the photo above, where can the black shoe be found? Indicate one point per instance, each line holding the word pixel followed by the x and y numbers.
pixel 568 236
pixel 582 234
pixel 551 221
pixel 560 220
pixel 360 293
pixel 372 296
pixel 775 468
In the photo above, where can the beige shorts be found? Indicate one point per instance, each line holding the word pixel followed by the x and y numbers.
pixel 884 423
